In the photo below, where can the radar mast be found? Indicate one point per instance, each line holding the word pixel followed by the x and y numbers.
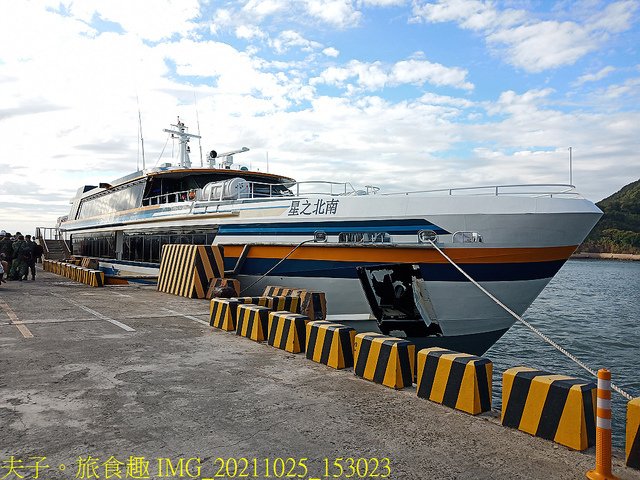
pixel 183 148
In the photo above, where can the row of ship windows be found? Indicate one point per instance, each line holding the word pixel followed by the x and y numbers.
pixel 136 248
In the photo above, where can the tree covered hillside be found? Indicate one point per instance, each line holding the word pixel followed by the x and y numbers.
pixel 618 231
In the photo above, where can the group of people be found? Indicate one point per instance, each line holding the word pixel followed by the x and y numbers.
pixel 18 256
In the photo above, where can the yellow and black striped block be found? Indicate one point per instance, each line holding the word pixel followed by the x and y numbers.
pixel 383 359
pixel 91 277
pixel 253 322
pixel 287 331
pixel 288 303
pixel 186 270
pixel 259 301
pixel 223 313
pixel 632 448
pixel 313 305
pixel 273 291
pixel 457 380
pixel 330 343
pixel 90 263
pixel 222 283
pixel 96 278
pixel 554 407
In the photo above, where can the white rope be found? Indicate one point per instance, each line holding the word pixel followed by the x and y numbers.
pixel 274 267
pixel 528 325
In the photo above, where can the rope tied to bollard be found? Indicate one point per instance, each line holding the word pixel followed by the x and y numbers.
pixel 569 355
pixel 277 264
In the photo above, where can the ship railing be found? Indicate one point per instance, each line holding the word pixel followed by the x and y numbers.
pixel 173 197
pixel 262 190
pixel 258 189
pixel 49 233
pixel 525 190
pixel 279 190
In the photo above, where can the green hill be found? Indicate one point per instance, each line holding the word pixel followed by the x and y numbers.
pixel 618 231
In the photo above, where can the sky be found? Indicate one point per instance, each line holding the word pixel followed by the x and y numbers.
pixel 402 94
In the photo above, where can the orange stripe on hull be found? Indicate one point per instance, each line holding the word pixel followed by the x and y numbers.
pixel 393 254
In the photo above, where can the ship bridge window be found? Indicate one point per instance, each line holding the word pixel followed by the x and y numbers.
pixel 110 201
pixel 467 237
pixel 364 237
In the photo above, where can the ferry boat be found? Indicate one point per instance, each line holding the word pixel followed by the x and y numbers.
pixel 379 257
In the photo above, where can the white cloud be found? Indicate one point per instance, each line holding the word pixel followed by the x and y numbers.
pixel 331 52
pixel 616 17
pixel 289 39
pixel 594 77
pixel 526 42
pixel 433 99
pixel 630 87
pixel 374 76
pixel 169 17
pixel 382 3
pixel 249 32
pixel 421 71
pixel 339 13
pixel 544 45
pixel 263 8
pixel 470 14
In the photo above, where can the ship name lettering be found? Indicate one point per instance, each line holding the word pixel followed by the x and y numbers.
pixel 319 207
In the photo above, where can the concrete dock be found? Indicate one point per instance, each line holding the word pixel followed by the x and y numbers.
pixel 125 373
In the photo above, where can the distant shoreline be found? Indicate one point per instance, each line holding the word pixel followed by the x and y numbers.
pixel 606 256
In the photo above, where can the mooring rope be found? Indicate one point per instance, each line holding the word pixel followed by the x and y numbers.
pixel 528 325
pixel 276 265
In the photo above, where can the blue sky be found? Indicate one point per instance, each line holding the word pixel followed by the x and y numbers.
pixel 411 94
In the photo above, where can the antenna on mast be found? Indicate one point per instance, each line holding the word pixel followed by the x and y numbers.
pixel 140 130
pixel 183 137
pixel 195 103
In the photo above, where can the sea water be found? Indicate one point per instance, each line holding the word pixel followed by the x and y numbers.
pixel 592 309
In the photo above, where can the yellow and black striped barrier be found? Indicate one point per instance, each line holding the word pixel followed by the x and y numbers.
pixel 313 305
pixel 457 380
pixel 273 291
pixel 253 322
pixel 287 331
pixel 386 360
pixel 186 270
pixel 215 283
pixel 330 343
pixel 279 303
pixel 632 447
pixel 286 303
pixel 96 278
pixel 554 407
pixel 223 313
pixel 91 277
pixel 90 263
pixel 259 301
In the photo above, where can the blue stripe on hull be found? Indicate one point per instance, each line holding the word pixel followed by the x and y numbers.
pixel 392 227
pixel 436 272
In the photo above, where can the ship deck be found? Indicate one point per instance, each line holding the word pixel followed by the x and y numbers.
pixel 125 371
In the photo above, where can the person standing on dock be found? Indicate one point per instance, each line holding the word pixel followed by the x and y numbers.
pixel 20 256
pixel 6 248
pixel 31 261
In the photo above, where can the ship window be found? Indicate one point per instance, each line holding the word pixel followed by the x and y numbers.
pixel 115 200
pixel 100 245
